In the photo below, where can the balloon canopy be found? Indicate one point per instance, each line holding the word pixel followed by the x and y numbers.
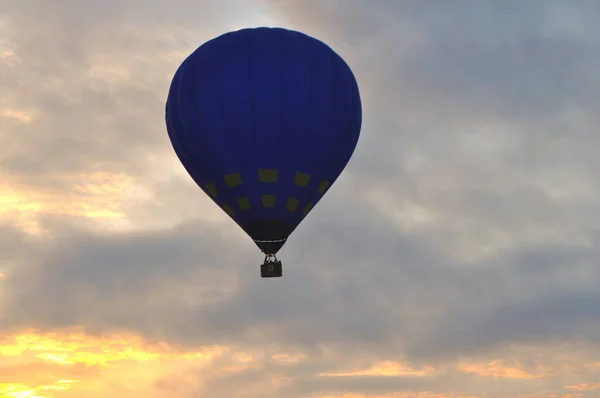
pixel 264 120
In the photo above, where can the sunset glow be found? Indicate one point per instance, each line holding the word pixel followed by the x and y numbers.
pixel 457 255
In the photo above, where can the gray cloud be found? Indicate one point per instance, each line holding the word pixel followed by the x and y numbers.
pixel 466 221
pixel 390 294
pixel 96 78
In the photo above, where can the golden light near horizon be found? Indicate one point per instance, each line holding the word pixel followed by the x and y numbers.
pixel 456 258
pixel 584 387
pixel 19 390
pixel 72 361
pixel 386 368
pixel 77 360
pixel 20 116
pixel 73 346
pixel 96 196
pixel 497 369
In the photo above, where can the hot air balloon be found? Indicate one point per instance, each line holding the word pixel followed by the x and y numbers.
pixel 264 120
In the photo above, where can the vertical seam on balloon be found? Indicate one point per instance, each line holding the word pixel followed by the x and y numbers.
pixel 310 95
pixel 347 119
pixel 200 119
pixel 168 119
pixel 335 98
pixel 176 143
pixel 226 151
pixel 252 115
pixel 281 93
pixel 344 153
pixel 177 146
pixel 311 105
pixel 330 118
pixel 178 110
pixel 354 103
pixel 185 128
pixel 281 103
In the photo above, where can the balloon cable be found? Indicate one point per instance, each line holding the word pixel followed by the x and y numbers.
pixel 312 234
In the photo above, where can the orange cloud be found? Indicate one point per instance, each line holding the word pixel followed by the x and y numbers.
pixel 288 358
pixel 387 368
pixel 16 390
pixel 584 387
pixel 97 195
pixel 242 361
pixel 40 365
pixel 20 116
pixel 424 394
pixel 75 347
pixel 497 370
pixel 71 364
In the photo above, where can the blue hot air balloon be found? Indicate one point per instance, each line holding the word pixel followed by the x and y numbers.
pixel 264 120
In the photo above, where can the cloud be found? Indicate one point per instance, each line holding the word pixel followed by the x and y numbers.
pixel 170 284
pixel 465 225
pixel 89 82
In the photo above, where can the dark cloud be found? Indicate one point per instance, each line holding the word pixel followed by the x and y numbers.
pixel 465 224
pixel 438 76
pixel 369 287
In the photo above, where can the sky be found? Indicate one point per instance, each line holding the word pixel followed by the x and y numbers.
pixel 458 256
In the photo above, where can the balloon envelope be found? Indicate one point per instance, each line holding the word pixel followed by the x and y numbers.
pixel 264 120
